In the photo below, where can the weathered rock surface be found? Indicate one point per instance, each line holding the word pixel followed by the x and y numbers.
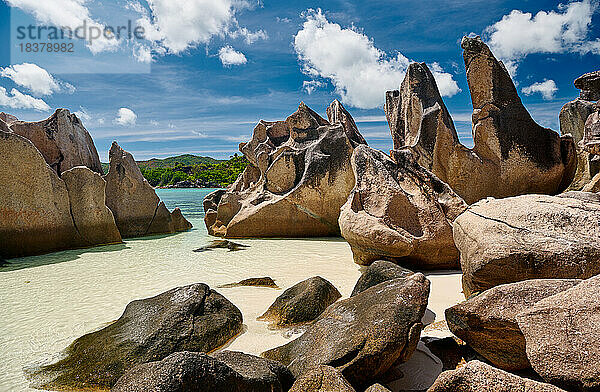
pixel 589 84
pixel 4 127
pixel 259 374
pixel 190 371
pixel 487 322
pixel 362 336
pixel 337 114
pixel 8 118
pixel 137 209
pixel 477 376
pixel 528 237
pixel 253 282
pixel 572 121
pixel 512 155
pixel 322 379
pixel 191 318
pixel 301 303
pixel 378 272
pixel 591 133
pixel 562 335
pixel 399 211
pixel 93 220
pixel 63 141
pixel 35 214
pixel 298 178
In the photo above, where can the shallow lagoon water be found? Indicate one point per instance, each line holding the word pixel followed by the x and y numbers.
pixel 48 301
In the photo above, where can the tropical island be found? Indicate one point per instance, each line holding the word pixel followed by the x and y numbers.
pixel 394 226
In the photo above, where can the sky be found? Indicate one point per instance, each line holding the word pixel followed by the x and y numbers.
pixel 205 71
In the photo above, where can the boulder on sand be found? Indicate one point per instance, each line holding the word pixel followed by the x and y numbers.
pixel 63 141
pixel 487 322
pixel 137 209
pixel 93 220
pixel 362 336
pixel 378 272
pixel 477 376
pixel 399 211
pixel 561 334
pixel 186 371
pixel 301 303
pixel 298 178
pixel 512 155
pixel 190 318
pixel 528 237
pixel 322 379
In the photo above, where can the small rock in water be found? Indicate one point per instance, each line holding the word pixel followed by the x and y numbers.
pixel 254 282
pixel 222 244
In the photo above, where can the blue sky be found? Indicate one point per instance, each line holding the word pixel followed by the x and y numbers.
pixel 214 73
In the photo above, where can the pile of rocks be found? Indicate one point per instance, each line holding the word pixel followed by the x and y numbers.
pixel 54 197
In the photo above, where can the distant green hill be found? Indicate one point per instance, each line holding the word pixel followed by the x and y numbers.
pixel 180 160
pixel 197 170
pixel 172 162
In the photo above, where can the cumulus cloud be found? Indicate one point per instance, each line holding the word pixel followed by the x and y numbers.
pixel 311 85
pixel 519 34
pixel 66 13
pixel 360 72
pixel 126 117
pixel 446 84
pixel 18 100
pixel 230 56
pixel 175 26
pixel 35 78
pixel 547 89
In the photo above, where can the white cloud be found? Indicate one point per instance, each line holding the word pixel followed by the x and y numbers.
pixel 311 85
pixel 18 100
pixel 230 56
pixel 83 115
pixel 446 84
pixel 175 26
pixel 546 88
pixel 519 34
pixel 154 123
pixel 126 117
pixel 360 72
pixel 35 79
pixel 66 13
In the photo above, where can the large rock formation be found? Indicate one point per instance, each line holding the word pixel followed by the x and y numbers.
pixel 186 371
pixel 92 218
pixel 589 84
pixel 8 118
pixel 572 121
pixel 399 211
pixel 362 336
pixel 512 155
pixel 298 178
pixel 477 376
pixel 591 133
pixel 487 322
pixel 63 141
pixel 301 303
pixel 528 237
pixel 562 336
pixel 137 209
pixel 40 212
pixel 190 318
pixel 34 202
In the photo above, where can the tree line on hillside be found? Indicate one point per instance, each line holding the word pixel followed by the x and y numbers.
pixel 209 175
